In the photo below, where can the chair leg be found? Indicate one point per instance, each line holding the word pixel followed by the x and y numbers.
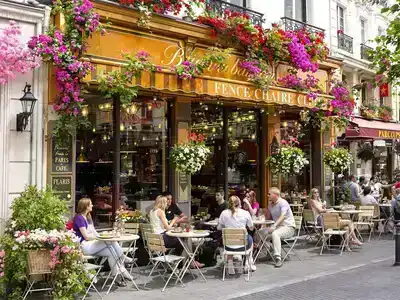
pixel 29 288
pixel 223 271
pixel 152 270
pixel 173 273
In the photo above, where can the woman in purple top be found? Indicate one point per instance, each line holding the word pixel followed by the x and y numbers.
pixel 84 229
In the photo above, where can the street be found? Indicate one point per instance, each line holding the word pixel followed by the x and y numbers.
pixel 374 281
pixel 365 273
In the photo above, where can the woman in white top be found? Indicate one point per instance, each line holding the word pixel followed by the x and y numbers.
pixel 318 207
pixel 236 217
pixel 160 225
pixel 366 197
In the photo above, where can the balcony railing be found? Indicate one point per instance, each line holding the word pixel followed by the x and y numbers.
pixel 219 7
pixel 292 24
pixel 345 42
pixel 365 52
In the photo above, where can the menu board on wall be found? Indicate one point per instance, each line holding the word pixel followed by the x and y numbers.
pixel 62 186
pixel 61 158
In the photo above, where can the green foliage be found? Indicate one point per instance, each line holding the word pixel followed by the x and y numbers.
pixel 365 152
pixel 38 209
pixel 216 57
pixel 386 56
pixel 338 159
pixel 66 127
pixel 120 83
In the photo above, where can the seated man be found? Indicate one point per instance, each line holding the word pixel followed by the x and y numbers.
pixel 284 227
pixel 222 204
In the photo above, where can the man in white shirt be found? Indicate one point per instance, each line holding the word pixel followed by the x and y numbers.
pixel 284 227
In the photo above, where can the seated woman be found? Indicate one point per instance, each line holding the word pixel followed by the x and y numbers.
pixel 235 217
pixel 160 225
pixel 173 210
pixel 250 203
pixel 84 229
pixel 366 197
pixel 318 208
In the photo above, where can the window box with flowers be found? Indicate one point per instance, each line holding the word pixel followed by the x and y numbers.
pixel 371 111
pixel 191 156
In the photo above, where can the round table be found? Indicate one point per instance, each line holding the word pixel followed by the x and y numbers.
pixel 212 223
pixel 263 240
pixel 119 259
pixel 195 234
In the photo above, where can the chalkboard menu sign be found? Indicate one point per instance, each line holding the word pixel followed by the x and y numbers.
pixel 61 158
pixel 274 180
pixel 62 186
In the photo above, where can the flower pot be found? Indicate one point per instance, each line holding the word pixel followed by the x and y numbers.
pixel 39 262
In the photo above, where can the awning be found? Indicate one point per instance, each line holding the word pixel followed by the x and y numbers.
pixel 365 129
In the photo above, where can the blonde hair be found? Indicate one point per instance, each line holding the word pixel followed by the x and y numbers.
pixel 161 203
pixel 275 191
pixel 82 206
pixel 312 192
pixel 234 203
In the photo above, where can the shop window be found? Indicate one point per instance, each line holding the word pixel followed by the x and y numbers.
pixel 142 159
pixel 208 119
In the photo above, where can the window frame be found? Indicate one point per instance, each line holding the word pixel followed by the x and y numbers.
pixel 363 29
pixel 341 19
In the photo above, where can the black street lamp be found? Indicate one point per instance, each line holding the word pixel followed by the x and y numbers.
pixel 28 104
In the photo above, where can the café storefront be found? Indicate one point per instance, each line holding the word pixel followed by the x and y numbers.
pixel 381 135
pixel 124 155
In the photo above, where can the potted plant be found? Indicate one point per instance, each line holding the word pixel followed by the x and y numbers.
pixel 337 159
pixel 191 156
pixel 365 152
pixel 36 239
pixel 288 160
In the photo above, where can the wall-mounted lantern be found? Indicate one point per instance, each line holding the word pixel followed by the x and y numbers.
pixel 28 104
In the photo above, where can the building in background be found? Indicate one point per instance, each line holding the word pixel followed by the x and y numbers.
pixel 21 153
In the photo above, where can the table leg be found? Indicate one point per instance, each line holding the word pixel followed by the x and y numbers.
pixel 120 263
pixel 263 246
pixel 190 259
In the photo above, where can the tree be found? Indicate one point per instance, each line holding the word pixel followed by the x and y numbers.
pixel 386 56
pixel 14 57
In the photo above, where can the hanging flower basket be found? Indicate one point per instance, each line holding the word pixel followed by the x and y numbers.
pixel 338 159
pixel 365 152
pixel 190 157
pixel 288 160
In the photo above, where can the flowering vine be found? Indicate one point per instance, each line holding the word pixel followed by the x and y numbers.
pixel 119 83
pixel 63 50
pixel 214 59
pixel 14 57
pixel 148 7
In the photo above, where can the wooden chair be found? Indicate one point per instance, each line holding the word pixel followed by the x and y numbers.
pixel 365 219
pixel 291 242
pixel 312 229
pixel 236 237
pixel 156 246
pixel 331 227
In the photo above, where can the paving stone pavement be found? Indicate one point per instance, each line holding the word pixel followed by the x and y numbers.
pixel 376 281
pixel 374 255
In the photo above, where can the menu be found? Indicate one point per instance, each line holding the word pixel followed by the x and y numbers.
pixel 61 158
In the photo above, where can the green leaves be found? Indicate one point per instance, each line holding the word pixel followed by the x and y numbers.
pixel 66 127
pixel 38 209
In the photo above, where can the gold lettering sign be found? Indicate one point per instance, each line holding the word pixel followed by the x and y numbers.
pixel 250 93
pixel 389 134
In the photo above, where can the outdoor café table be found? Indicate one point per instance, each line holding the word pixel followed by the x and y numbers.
pixel 352 213
pixel 124 238
pixel 195 234
pixel 337 207
pixel 212 223
pixel 385 208
pixel 261 238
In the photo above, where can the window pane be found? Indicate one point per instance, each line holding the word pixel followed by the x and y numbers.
pixel 289 8
pixel 301 10
pixel 237 2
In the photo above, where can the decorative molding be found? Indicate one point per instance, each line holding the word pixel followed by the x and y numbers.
pixel 21 12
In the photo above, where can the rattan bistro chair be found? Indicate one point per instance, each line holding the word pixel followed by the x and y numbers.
pixel 38 265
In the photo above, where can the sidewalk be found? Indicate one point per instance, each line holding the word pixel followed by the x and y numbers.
pixel 266 277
